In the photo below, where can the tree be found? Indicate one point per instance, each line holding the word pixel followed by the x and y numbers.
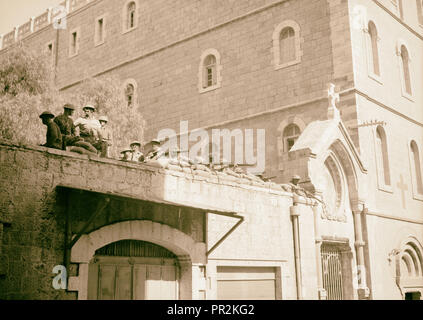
pixel 27 89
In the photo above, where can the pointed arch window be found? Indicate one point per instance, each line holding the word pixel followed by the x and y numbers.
pixel 374 54
pixel 382 158
pixel 290 135
pixel 416 168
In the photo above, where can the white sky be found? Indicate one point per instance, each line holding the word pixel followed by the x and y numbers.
pixel 17 12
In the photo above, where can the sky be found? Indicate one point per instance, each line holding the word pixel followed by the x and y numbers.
pixel 17 12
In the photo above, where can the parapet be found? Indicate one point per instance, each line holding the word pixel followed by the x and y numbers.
pixel 37 23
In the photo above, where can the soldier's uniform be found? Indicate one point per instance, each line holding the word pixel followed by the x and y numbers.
pixel 106 137
pixel 156 153
pixel 137 156
pixel 53 136
pixel 88 130
pixel 67 128
pixel 126 155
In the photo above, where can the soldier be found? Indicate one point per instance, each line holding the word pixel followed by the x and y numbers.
pixel 156 153
pixel 126 154
pixel 66 126
pixel 105 136
pixel 137 155
pixel 53 136
pixel 88 126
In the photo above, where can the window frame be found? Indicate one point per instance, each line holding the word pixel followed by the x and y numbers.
pixel 202 71
pixel 370 53
pixel 381 179
pixel 285 138
pixel 125 13
pixel 51 43
pixel 413 171
pixel 404 92
pixel 99 42
pixel 276 44
pixel 77 44
pixel 419 4
pixel 125 84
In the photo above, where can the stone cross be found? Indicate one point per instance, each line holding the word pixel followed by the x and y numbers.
pixel 403 187
pixel 333 112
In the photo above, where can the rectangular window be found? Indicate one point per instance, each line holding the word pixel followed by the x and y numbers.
pixel 73 46
pixel 209 77
pixel 100 32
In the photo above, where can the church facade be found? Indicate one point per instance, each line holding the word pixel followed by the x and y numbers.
pixel 337 86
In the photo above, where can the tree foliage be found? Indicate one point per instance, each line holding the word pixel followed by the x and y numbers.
pixel 27 89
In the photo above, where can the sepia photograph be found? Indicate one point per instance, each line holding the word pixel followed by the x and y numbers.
pixel 223 150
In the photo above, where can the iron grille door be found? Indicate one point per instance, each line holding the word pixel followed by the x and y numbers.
pixel 332 272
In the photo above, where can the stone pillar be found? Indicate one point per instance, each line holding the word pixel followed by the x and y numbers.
pixel 317 211
pixel 295 213
pixel 363 290
pixel 198 282
pixel 185 279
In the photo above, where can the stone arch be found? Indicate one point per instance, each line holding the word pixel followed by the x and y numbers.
pixel 409 258
pixel 183 246
pixel 344 158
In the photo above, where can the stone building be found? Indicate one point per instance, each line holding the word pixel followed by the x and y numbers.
pixel 355 233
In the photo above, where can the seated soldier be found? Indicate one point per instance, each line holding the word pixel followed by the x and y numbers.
pixel 156 153
pixel 88 128
pixel 137 155
pixel 126 154
pixel 66 126
pixel 53 136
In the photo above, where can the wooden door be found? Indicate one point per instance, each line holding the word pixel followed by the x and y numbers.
pixel 123 278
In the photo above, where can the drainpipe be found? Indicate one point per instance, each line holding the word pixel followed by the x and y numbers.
pixel 363 290
pixel 295 213
pixel 318 244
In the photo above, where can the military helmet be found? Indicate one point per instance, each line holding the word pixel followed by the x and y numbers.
pixel 46 114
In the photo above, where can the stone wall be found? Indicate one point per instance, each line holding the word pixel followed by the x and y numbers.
pixel 35 210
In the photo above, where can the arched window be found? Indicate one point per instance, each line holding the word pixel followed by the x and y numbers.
pixel 405 63
pixel 286 44
pixel 130 16
pixel 129 94
pixel 374 48
pixel 129 89
pixel 382 157
pixel 416 170
pixel 209 72
pixel 290 135
pixel 420 11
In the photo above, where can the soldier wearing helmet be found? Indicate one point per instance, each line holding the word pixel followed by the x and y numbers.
pixel 53 136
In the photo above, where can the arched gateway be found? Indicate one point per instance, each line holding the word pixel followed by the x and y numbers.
pixel 133 270
pixel 136 259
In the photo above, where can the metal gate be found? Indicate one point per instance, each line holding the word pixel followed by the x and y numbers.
pixel 332 272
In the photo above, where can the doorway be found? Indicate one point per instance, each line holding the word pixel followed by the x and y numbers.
pixel 133 270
